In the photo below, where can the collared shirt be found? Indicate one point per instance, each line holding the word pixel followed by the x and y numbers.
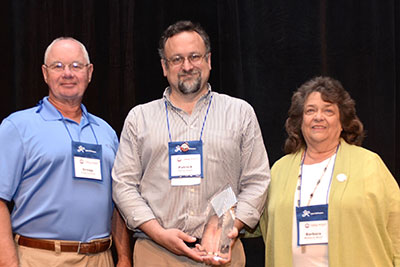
pixel 37 173
pixel 233 152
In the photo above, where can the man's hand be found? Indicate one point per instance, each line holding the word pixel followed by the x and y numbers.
pixel 174 240
pixel 171 239
pixel 209 248
pixel 213 256
pixel 124 263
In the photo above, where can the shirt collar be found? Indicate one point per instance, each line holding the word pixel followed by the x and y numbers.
pixel 204 98
pixel 50 113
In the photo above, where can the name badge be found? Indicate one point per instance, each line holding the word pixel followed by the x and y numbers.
pixel 87 160
pixel 312 225
pixel 185 162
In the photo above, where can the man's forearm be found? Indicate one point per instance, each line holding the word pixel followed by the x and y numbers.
pixel 238 224
pixel 8 253
pixel 153 229
pixel 121 239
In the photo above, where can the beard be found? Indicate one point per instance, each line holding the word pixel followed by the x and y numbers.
pixel 189 85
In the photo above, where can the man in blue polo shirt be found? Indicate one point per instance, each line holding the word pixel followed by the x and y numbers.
pixel 55 164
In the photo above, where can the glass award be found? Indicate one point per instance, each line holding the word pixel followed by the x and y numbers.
pixel 221 218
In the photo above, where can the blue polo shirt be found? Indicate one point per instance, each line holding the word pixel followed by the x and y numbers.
pixel 36 171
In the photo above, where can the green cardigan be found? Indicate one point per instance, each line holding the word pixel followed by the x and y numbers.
pixel 363 212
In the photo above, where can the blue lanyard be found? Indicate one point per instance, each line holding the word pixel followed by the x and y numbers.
pixel 204 122
pixel 330 180
pixel 63 120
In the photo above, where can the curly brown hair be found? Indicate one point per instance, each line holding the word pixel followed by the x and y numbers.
pixel 333 92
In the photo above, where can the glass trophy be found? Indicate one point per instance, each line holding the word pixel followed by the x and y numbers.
pixel 221 218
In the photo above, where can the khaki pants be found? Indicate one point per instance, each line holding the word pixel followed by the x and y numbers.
pixel 33 257
pixel 149 254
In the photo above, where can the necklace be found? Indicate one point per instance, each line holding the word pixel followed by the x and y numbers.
pixel 318 182
pixel 303 248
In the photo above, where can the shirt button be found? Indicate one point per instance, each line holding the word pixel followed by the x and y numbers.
pixel 191 213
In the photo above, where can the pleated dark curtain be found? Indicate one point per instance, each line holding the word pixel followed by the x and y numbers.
pixel 262 50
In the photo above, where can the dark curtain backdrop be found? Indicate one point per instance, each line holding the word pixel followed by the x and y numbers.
pixel 262 50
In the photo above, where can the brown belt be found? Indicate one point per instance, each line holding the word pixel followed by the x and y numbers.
pixel 92 247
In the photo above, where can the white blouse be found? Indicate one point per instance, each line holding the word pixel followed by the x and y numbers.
pixel 314 255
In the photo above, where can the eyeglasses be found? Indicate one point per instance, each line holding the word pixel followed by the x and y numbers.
pixel 59 66
pixel 179 60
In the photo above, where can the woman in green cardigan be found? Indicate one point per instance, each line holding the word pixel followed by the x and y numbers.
pixel 330 202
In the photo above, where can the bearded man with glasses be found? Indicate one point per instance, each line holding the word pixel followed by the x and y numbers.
pixel 56 161
pixel 178 152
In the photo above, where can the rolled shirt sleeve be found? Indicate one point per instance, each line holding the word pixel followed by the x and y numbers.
pixel 233 154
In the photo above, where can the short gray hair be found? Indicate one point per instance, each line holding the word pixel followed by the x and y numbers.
pixel 85 53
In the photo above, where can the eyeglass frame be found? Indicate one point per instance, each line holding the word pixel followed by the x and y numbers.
pixel 65 65
pixel 169 60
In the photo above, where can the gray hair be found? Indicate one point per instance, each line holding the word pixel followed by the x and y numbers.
pixel 85 53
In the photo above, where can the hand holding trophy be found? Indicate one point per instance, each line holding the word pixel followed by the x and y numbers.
pixel 219 231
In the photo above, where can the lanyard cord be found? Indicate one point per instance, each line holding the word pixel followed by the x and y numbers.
pixel 204 121
pixel 166 112
pixel 205 118
pixel 91 127
pixel 319 180
pixel 94 134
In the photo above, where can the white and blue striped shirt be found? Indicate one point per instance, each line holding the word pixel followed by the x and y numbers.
pixel 233 153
